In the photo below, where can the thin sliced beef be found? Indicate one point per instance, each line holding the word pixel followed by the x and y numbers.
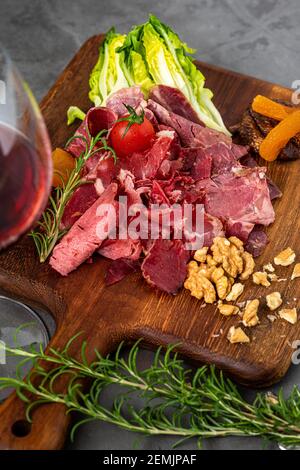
pixel 242 197
pixel 250 162
pixel 197 161
pixel 257 241
pixel 83 198
pixel 197 238
pixel 191 134
pixel 213 227
pixel 96 120
pixel 119 269
pixel 165 265
pixel 83 238
pixel 116 249
pixel 146 164
pixel 104 170
pixel 238 228
pixel 174 100
pixel 132 96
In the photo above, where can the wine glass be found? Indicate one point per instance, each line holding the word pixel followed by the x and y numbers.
pixel 25 155
pixel 25 184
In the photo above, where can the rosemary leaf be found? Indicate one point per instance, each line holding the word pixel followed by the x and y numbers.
pixel 175 401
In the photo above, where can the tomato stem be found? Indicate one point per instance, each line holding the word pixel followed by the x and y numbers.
pixel 132 118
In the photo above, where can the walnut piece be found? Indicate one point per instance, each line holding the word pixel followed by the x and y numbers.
pixel 296 271
pixel 273 277
pixel 289 314
pixel 249 266
pixel 208 290
pixel 206 270
pixel 237 335
pixel 269 267
pixel 285 257
pixel 228 309
pixel 274 300
pixel 200 255
pixel 193 284
pixel 250 317
pixel 212 272
pixel 261 279
pixel 221 281
pixel 236 290
pixel 237 242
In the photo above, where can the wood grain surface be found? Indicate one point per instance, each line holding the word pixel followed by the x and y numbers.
pixel 131 309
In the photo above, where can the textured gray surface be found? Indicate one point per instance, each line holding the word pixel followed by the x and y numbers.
pixel 257 37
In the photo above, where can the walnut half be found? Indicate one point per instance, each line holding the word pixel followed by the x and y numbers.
pixel 250 317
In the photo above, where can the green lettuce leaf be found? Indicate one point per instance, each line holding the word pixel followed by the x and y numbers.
pixel 74 113
pixel 107 76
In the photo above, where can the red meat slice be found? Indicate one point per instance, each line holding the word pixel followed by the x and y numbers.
pixel 96 120
pixel 82 240
pixel 119 269
pixel 242 197
pixel 197 161
pixel 132 96
pixel 115 249
pixel 145 165
pixel 81 200
pixel 257 241
pixel 174 100
pixel 190 133
pixel 165 265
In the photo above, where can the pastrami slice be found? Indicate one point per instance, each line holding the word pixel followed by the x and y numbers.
pixel 165 265
pixel 83 239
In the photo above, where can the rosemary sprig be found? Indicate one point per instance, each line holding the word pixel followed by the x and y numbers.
pixel 48 231
pixel 176 401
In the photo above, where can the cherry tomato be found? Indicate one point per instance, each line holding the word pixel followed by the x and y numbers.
pixel 137 139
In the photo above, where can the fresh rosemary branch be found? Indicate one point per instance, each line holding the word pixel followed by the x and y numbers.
pixel 48 231
pixel 176 401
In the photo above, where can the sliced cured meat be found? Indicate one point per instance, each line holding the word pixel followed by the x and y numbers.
pixel 243 197
pixel 105 168
pixel 132 96
pixel 237 228
pixel 119 269
pixel 83 198
pixel 190 133
pixel 96 120
pixel 174 100
pixel 250 162
pixel 213 227
pixel 165 265
pixel 145 165
pixel 197 161
pixel 83 239
pixel 116 249
pixel 257 241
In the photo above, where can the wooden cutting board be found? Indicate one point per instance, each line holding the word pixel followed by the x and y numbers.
pixel 131 309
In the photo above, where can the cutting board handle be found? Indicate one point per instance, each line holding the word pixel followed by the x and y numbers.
pixel 50 423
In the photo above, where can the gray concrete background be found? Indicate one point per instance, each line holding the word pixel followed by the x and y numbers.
pixel 257 37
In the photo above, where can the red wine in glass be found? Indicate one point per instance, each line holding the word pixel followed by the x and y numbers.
pixel 25 156
pixel 25 184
